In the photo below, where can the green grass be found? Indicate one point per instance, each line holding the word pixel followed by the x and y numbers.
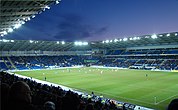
pixel 123 85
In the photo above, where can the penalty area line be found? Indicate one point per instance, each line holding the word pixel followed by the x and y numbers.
pixel 165 99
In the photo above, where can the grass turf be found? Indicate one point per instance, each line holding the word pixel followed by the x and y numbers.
pixel 154 91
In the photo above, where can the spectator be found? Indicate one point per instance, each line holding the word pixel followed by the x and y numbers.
pixel 49 106
pixel 89 107
pixel 4 89
pixel 20 97
pixel 70 101
pixel 173 105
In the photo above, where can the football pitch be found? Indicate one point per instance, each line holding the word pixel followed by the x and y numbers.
pixel 152 89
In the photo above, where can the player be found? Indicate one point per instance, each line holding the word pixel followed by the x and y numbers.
pixel 69 70
pixel 146 75
pixel 45 78
pixel 101 72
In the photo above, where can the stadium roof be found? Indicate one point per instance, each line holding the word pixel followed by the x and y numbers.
pixel 165 40
pixel 14 13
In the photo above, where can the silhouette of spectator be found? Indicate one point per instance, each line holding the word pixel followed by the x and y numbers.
pixel 49 105
pixel 89 107
pixel 4 89
pixel 173 105
pixel 20 97
pixel 70 101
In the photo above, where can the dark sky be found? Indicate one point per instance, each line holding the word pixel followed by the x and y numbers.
pixel 92 20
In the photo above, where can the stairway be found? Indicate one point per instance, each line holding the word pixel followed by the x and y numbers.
pixel 5 63
pixel 12 65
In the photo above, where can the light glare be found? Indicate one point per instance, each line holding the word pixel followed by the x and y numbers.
pixel 168 35
pixel 17 26
pixel 85 43
pixel 115 40
pixel 57 2
pixel 107 41
pixel 31 41
pixel 125 39
pixel 154 36
pixel 63 42
pixel 47 7
pixel 10 30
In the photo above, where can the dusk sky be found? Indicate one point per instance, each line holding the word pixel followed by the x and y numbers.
pixel 93 20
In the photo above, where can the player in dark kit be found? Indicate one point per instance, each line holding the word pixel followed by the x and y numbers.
pixel 146 75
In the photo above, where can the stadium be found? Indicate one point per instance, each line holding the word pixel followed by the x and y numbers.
pixel 131 73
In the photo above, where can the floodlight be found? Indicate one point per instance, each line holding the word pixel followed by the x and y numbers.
pixel 31 41
pixel 11 40
pixel 4 32
pixel 28 18
pixel 47 7
pixel 154 36
pixel 103 41
pixel 175 34
pixel 2 35
pixel 63 42
pixel 115 40
pixel 22 22
pixel 160 35
pixel 135 38
pixel 110 41
pixel 33 16
pixel 85 43
pixel 125 39
pixel 10 30
pixel 168 35
pixel 57 42
pixel 76 43
pixel 80 43
pixel 40 11
pixel 17 26
pixel 131 38
pixel 107 41
pixel 146 36
pixel 120 39
pixel 4 40
pixel 57 1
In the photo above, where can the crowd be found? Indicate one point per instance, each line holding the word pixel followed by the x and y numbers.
pixel 162 59
pixel 26 94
